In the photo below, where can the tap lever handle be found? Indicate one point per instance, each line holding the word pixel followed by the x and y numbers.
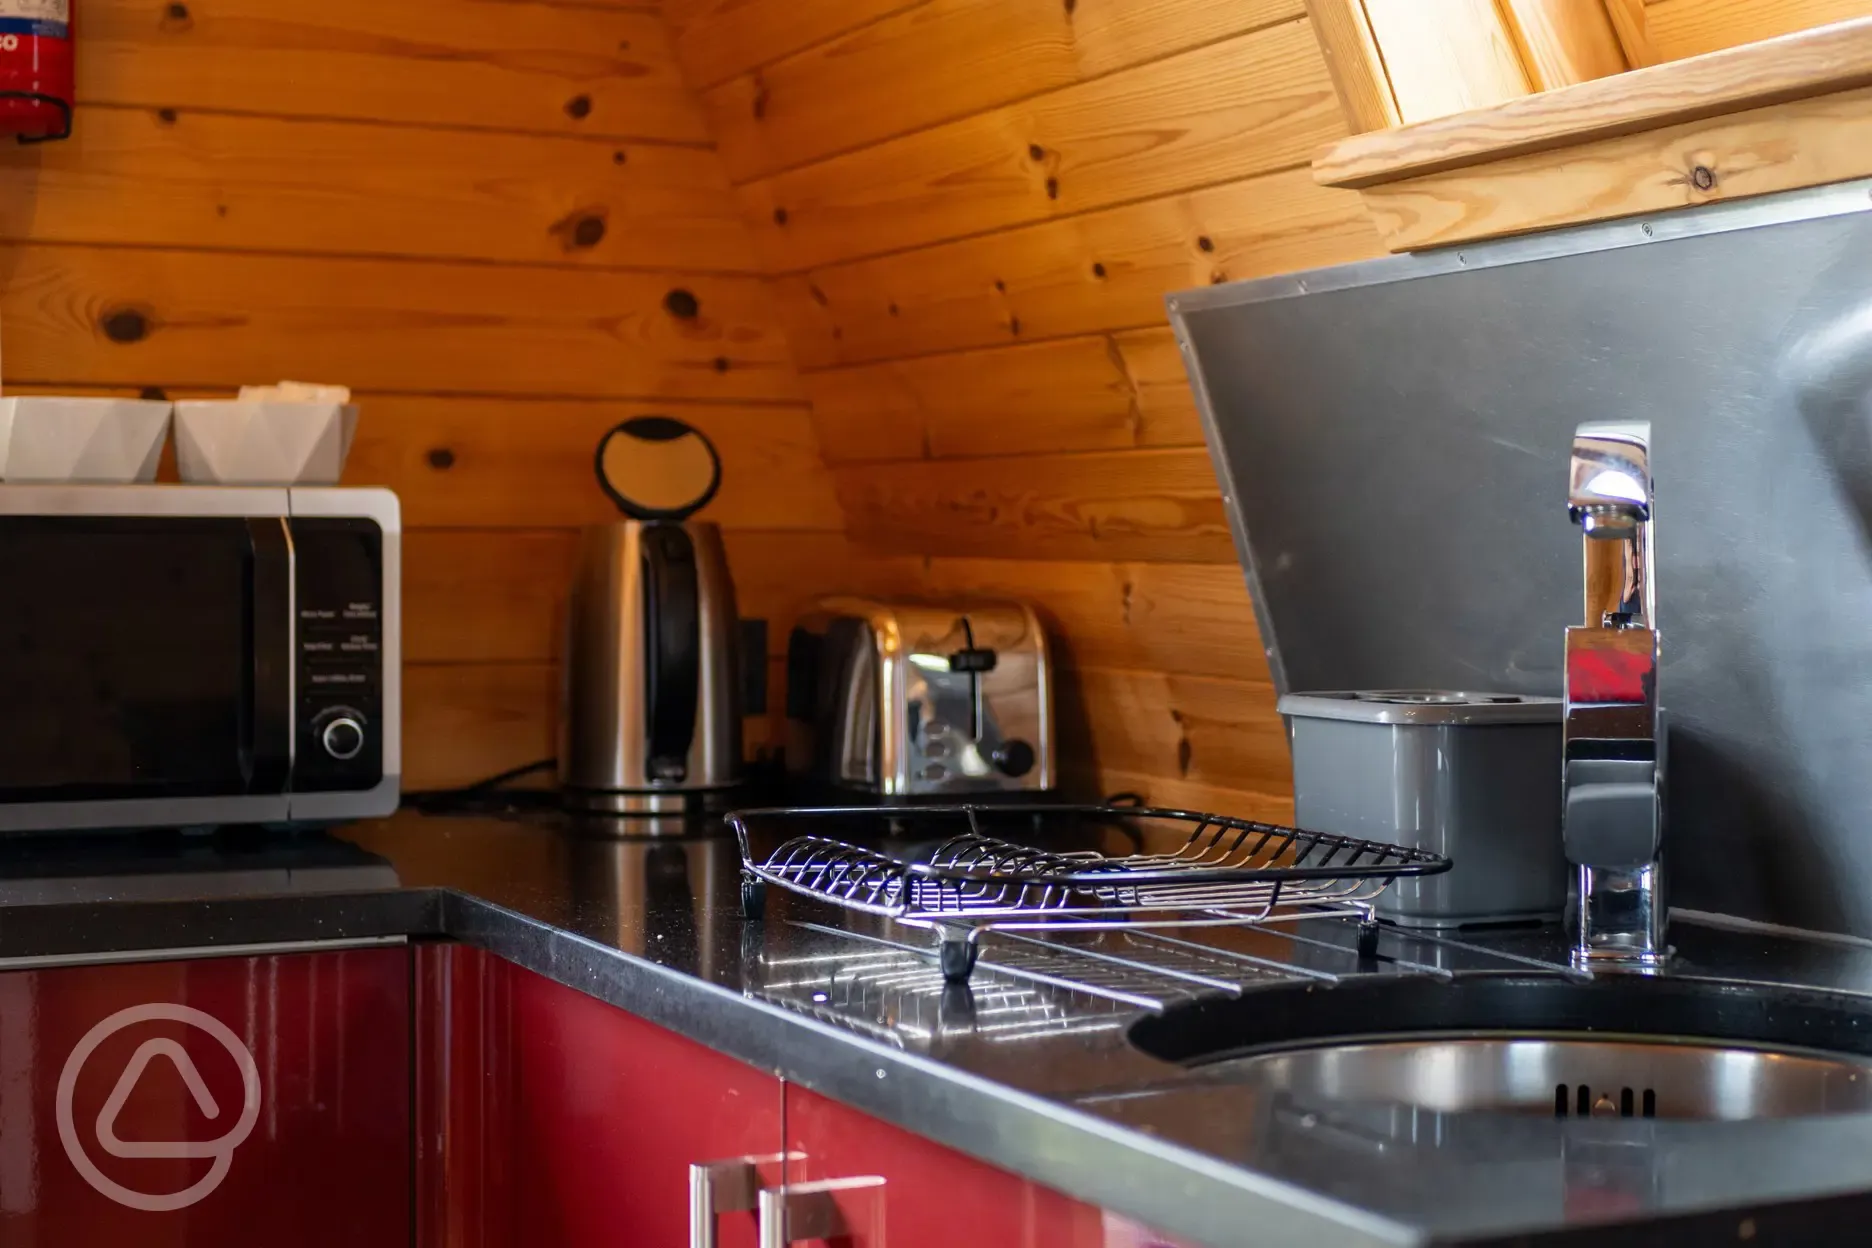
pixel 1611 812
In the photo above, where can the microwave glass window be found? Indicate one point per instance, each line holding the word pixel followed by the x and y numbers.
pixel 125 657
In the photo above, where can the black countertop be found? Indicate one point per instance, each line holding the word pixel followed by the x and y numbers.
pixel 1020 1069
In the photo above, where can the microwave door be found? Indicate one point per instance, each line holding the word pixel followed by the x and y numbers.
pixel 142 659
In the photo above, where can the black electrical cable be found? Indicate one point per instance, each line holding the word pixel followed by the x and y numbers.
pixel 489 795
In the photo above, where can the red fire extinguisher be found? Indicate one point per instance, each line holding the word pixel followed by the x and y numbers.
pixel 37 84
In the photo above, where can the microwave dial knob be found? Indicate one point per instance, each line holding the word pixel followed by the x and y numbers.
pixel 341 732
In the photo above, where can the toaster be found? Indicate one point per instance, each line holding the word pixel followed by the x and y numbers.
pixel 914 700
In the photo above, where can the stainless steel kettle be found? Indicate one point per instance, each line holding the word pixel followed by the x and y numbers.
pixel 651 715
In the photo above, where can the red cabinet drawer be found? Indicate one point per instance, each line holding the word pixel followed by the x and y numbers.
pixel 549 1119
pixel 207 1103
pixel 554 1120
pixel 935 1197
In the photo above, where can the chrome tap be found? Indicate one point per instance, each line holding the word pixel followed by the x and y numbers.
pixel 1612 766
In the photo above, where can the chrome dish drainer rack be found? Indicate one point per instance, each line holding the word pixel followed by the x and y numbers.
pixel 970 878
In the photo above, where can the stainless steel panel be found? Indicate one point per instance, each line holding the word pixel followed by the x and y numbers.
pixel 1393 438
pixel 155 812
pixel 145 500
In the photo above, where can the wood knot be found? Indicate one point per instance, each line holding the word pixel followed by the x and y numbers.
pixel 441 458
pixel 1703 178
pixel 779 216
pixel 125 324
pixel 155 394
pixel 721 364
pixel 579 230
pixel 1035 152
pixel 1014 325
pixel 682 304
pixel 618 157
pixel 1205 243
pixel 1000 287
pixel 1098 269
pixel 892 308
pixel 759 104
pixel 1052 185
pixel 167 116
pixel 578 107
pixel 818 296
pixel 176 16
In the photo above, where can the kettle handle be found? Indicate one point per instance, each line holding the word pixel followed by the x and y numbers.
pixel 673 629
pixel 657 429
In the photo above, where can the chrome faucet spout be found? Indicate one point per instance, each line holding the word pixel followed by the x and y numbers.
pixel 1612 765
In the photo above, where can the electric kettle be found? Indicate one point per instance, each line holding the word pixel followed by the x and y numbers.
pixel 651 715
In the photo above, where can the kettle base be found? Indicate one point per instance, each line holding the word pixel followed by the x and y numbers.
pixel 648 801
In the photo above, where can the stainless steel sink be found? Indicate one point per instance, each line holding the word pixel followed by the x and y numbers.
pixel 1568 1076
pixel 1628 1047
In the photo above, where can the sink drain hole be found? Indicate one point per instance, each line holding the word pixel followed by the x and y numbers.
pixel 1579 1102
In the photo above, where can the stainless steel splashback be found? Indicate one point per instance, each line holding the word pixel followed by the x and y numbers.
pixel 1392 442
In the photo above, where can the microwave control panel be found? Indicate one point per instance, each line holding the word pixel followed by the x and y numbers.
pixel 338 605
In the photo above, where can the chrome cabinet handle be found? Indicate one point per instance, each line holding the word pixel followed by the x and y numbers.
pixel 823 1209
pixel 731 1186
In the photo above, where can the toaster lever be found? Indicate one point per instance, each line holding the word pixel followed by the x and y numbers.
pixel 973 660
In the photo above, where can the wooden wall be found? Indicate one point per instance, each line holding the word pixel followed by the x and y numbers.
pixel 972 210
pixel 1689 27
pixel 474 212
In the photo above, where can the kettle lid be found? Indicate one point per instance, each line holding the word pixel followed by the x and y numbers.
pixel 658 468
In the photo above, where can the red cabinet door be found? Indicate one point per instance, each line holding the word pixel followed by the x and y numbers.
pixel 935 1197
pixel 553 1120
pixel 213 1103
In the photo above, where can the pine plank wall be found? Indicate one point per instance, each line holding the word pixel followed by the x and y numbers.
pixel 903 259
pixel 972 210
pixel 472 212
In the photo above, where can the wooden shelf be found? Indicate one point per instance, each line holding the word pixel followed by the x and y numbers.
pixel 1822 61
pixel 1771 116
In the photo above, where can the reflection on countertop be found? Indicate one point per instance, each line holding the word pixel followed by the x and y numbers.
pixel 74 868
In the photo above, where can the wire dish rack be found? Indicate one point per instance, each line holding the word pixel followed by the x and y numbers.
pixel 966 869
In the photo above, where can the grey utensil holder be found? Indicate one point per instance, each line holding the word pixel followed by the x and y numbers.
pixel 1474 777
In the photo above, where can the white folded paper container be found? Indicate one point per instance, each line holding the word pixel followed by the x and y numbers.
pixel 264 442
pixel 48 438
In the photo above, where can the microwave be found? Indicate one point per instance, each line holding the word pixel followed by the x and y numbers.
pixel 181 656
